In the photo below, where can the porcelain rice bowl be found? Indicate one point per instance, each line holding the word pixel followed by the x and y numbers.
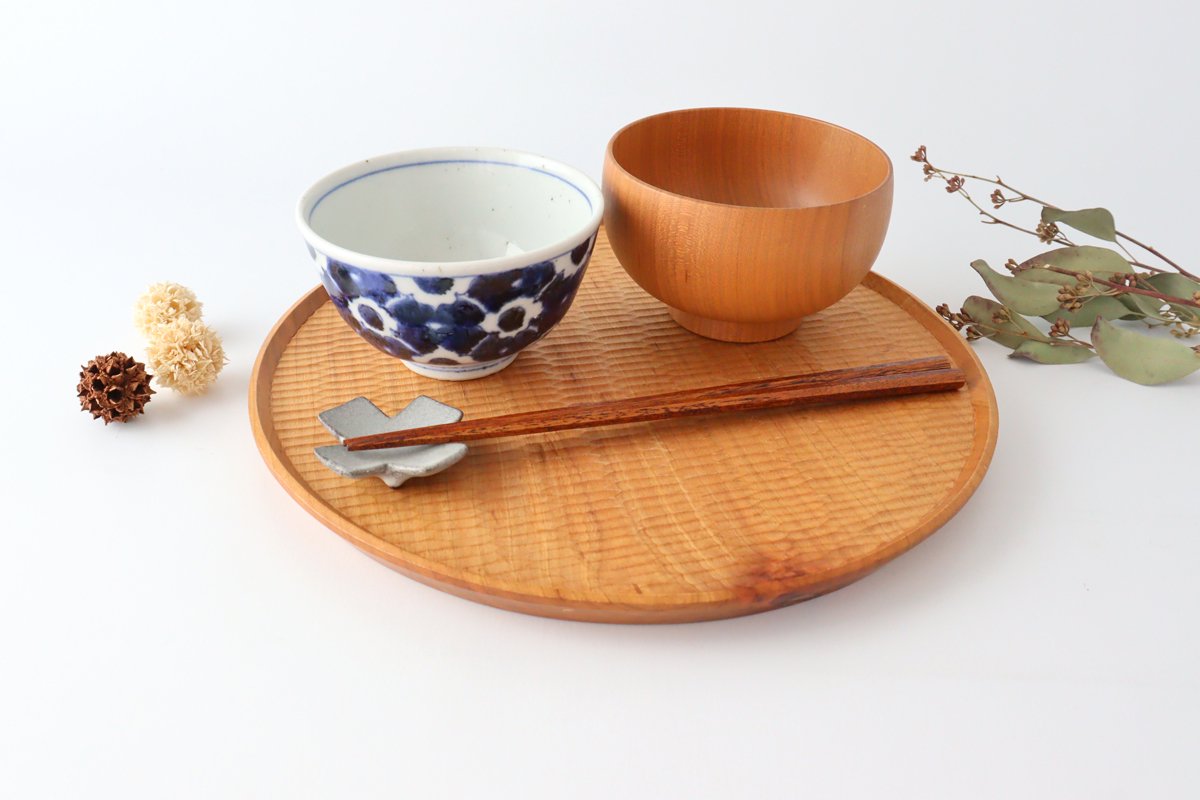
pixel 452 259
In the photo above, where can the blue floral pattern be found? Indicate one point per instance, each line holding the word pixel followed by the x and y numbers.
pixel 463 321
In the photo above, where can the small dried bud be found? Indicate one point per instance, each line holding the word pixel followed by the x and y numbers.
pixel 1047 232
pixel 956 321
pixel 1012 266
pixel 954 184
pixel 998 198
pixel 1060 328
pixel 919 156
pixel 973 334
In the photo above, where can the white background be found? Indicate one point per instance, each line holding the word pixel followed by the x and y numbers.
pixel 174 626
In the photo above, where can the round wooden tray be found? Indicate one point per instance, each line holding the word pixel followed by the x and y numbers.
pixel 675 521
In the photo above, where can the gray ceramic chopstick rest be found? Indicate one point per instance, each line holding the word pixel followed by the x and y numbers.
pixel 395 465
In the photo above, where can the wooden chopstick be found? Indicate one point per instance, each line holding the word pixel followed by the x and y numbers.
pixel 857 383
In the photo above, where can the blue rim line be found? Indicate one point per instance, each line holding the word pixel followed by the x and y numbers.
pixel 329 258
pixel 344 183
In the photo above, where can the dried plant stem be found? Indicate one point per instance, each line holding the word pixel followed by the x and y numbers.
pixel 1064 340
pixel 1124 288
pixel 997 181
pixel 1020 196
pixel 1154 252
pixel 989 217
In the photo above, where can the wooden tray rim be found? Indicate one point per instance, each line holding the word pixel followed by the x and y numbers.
pixel 783 592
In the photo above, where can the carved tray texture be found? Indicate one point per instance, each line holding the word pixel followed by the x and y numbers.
pixel 658 522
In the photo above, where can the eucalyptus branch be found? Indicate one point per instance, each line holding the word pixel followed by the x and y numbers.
pixel 1154 252
pixel 1124 288
pixel 999 199
pixel 1106 288
pixel 954 185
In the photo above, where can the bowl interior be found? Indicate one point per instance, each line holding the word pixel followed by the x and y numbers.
pixel 449 208
pixel 748 157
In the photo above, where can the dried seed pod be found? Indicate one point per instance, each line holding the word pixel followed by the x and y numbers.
pixel 114 388
pixel 1047 232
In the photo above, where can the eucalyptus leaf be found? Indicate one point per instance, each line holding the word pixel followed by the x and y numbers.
pixel 1052 353
pixel 1044 276
pixel 1175 285
pixel 1101 306
pixel 1011 332
pixel 1142 305
pixel 1140 358
pixel 1096 222
pixel 1024 297
pixel 1100 261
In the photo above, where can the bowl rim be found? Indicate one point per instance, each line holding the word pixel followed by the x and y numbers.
pixel 312 197
pixel 610 158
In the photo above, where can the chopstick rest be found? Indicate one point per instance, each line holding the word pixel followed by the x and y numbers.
pixel 360 417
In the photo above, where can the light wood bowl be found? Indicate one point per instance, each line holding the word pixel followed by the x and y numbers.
pixel 745 221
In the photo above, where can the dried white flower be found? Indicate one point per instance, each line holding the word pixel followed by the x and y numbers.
pixel 162 304
pixel 186 355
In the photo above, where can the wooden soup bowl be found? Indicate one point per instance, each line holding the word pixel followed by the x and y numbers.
pixel 745 221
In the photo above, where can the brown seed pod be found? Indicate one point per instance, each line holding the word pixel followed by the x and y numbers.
pixel 114 387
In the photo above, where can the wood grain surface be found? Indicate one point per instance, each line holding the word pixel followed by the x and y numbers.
pixel 686 520
pixel 744 221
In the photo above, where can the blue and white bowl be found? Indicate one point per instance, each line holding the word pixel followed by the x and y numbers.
pixel 452 259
